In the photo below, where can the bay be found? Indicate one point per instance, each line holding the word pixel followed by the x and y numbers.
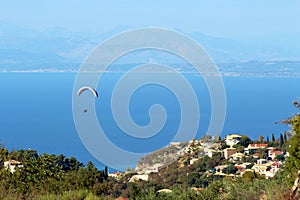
pixel 36 110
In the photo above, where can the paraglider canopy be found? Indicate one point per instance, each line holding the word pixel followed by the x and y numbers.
pixel 81 90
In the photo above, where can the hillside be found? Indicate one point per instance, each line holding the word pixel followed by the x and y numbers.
pixel 162 157
pixel 176 152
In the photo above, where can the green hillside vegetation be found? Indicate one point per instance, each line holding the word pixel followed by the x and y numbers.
pixel 47 174
pixel 58 177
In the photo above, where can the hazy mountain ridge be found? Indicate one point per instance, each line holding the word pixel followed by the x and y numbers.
pixel 61 49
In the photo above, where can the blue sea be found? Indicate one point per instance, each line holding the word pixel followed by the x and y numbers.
pixel 36 109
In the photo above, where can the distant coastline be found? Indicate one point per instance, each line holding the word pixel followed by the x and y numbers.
pixel 278 68
pixel 224 74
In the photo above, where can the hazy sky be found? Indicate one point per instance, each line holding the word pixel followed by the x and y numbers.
pixel 230 18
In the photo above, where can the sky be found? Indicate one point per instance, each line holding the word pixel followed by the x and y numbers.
pixel 230 18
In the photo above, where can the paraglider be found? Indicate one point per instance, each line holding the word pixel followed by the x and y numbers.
pixel 81 90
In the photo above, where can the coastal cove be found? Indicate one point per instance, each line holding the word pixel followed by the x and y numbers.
pixel 36 109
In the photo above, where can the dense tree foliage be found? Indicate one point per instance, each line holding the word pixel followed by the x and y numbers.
pixel 43 174
pixel 293 162
pixel 245 141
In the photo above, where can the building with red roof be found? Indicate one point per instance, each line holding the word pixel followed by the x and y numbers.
pixel 253 147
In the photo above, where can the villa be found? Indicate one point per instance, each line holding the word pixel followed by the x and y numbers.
pixel 237 156
pixel 272 153
pixel 232 139
pixel 253 147
pixel 228 152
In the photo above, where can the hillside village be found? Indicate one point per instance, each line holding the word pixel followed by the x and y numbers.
pixel 196 169
pixel 236 155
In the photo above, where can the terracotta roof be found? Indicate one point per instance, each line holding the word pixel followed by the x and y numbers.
pixel 276 163
pixel 277 152
pixel 221 166
pixel 258 145
pixel 256 155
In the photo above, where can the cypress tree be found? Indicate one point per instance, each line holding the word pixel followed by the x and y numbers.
pixel 281 139
pixel 273 137
pixel 105 173
pixel 285 137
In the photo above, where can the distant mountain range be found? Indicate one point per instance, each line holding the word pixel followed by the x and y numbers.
pixel 23 49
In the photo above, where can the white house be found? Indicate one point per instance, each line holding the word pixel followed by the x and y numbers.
pixel 237 156
pixel 12 164
pixel 232 139
pixel 272 152
pixel 135 178
pixel 254 147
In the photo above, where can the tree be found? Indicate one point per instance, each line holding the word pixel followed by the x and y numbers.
pixel 3 156
pixel 224 146
pixel 262 153
pixel 280 157
pixel 293 161
pixel 261 139
pixel 134 191
pixel 213 161
pixel 249 166
pixel 281 141
pixel 218 138
pixel 249 176
pixel 230 169
pixel 206 138
pixel 268 140
pixel 239 148
pixel 285 137
pixel 245 141
pixel 273 137
pixel 105 173
pixel 73 164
